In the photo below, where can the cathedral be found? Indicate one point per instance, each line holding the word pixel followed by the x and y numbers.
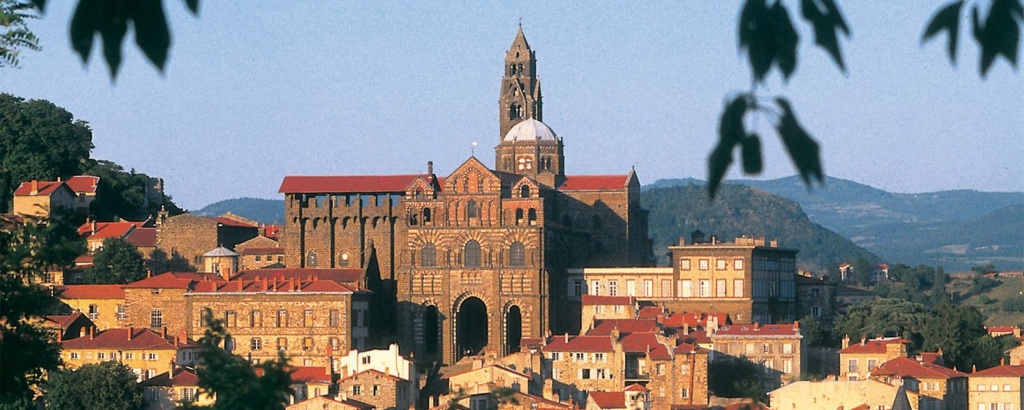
pixel 475 260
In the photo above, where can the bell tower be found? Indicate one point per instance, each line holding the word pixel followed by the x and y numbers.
pixel 520 96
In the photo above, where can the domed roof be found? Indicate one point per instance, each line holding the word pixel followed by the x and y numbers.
pixel 530 130
pixel 220 251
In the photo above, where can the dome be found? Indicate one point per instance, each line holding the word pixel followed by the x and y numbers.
pixel 220 251
pixel 530 130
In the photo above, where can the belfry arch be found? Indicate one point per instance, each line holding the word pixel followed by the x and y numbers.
pixel 513 329
pixel 471 327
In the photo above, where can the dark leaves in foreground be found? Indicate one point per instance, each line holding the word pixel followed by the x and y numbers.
pixel 998 34
pixel 827 20
pixel 767 35
pixel 803 150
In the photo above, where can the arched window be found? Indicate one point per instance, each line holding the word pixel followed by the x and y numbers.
pixel 480 185
pixel 412 220
pixel 471 211
pixel 517 254
pixel 519 216
pixel 426 215
pixel 514 112
pixel 471 254
pixel 532 216
pixel 343 258
pixel 311 259
pixel 428 256
pixel 524 191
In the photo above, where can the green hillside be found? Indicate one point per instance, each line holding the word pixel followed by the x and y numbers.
pixel 740 210
pixel 268 211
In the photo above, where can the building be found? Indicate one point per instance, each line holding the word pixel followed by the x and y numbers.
pixel 39 198
pixel 996 388
pixel 104 305
pixel 863 394
pixel 260 252
pixel 477 258
pixel 146 352
pixel 378 389
pixel 634 397
pixel 937 387
pixel 306 318
pixel 159 301
pixel 750 279
pixel 192 236
pixel 167 390
pixel 858 360
pixel 815 297
pixel 778 349
pixel 388 361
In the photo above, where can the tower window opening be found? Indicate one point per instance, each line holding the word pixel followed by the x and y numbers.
pixel 519 216
pixel 524 191
pixel 471 209
pixel 471 254
pixel 532 216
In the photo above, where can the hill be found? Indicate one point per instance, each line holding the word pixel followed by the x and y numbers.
pixel 268 211
pixel 740 210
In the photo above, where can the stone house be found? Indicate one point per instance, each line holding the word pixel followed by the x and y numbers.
pixel 192 236
pixel 864 394
pixel 146 352
pixel 97 232
pixel 858 360
pixel 39 198
pixel 84 187
pixel 378 389
pixel 634 397
pixel 104 305
pixel 815 297
pixel 778 349
pixel 327 403
pixel 159 301
pixel 68 326
pixel 938 387
pixel 166 390
pixel 997 387
pixel 596 308
pixel 260 252
pixel 388 361
pixel 309 382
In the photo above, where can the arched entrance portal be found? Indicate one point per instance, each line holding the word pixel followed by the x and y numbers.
pixel 472 327
pixel 513 329
pixel 430 330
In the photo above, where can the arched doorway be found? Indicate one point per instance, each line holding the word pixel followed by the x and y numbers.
pixel 431 333
pixel 472 327
pixel 513 329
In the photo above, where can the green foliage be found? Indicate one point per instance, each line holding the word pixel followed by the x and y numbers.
pixel 14 32
pixel 27 351
pixel 233 380
pixel 105 386
pixel 739 210
pixel 816 333
pixel 38 140
pixel 124 194
pixel 998 35
pixel 885 317
pixel 160 262
pixel 737 377
pixel 118 262
pixel 1014 304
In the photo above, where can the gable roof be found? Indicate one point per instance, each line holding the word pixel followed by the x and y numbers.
pixel 907 367
pixel 873 345
pixel 578 344
pixel 350 184
pixel 182 377
pixel 128 339
pixel 172 280
pixel 225 221
pixel 90 292
pixel 593 182
pixel 343 276
pixel 142 237
pixel 605 326
pixel 609 399
pixel 1004 370
pixel 83 183
pixel 308 374
pixel 106 230
pixel 44 188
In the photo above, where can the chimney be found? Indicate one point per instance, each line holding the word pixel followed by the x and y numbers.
pixel 682 241
pixel 149 273
pixel 863 341
pixel 163 332
pixel 91 332
pixel 131 330
pixel 430 167
pixel 35 187
pixel 92 224
pixel 566 337
pixel 81 332
pixel 846 341
pixel 60 335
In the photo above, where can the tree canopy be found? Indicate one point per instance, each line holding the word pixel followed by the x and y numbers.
pixel 108 385
pixel 118 262
pixel 14 33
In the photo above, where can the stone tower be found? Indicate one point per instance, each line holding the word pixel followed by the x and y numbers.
pixel 527 146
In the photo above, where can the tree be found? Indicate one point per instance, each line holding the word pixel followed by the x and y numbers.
pixel 26 350
pixel 960 332
pixel 736 378
pixel 38 140
pixel 885 317
pixel 769 39
pixel 160 262
pixel 124 194
pixel 14 33
pixel 233 380
pixel 105 386
pixel 118 262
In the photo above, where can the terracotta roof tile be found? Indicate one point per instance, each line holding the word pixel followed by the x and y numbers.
pixel 579 344
pixel 83 183
pixel 44 188
pixel 639 342
pixel 296 184
pixel 142 339
pixel 676 320
pixel 344 276
pixel 872 346
pixel 687 348
pixel 106 230
pixel 172 280
pixel 605 326
pixel 1001 371
pixel 272 231
pixel 593 182
pixel 64 320
pixel 907 367
pixel 91 292
pixel 182 377
pixel 310 374
pixel 142 237
pixel 651 312
pixel 609 399
pixel 230 222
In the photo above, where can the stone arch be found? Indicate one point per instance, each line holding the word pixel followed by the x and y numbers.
pixel 471 324
pixel 512 315
pixel 431 332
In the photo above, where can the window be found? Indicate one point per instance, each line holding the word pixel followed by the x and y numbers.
pixel 428 255
pixel 94 312
pixel 684 393
pixel 255 344
pixel 311 259
pixel 703 264
pixel 151 357
pixel 599 357
pixel 357 389
pixel 685 288
pixel 519 216
pixel 229 344
pixel 704 288
pixel 737 288
pixel 788 349
pixel 471 254
pixel 230 319
pixel 585 374
pixel 602 374
pixel 365 359
pixel 531 216
pixel 188 394
pixel 787 366
pixel 343 258
pixel 737 264
pixel 524 191
pixel 334 318
pixel 666 288
pixel 74 355
pixel 307 318
pixel 282 343
pixel 660 369
pixel 517 254
pixel 648 288
pixel 577 288
pixel 307 343
pixel 684 369
pixel 852 365
pixel 1007 387
pixel 256 318
pixel 613 288
pixel 121 315
pixel 630 288
pixel 720 264
pixel 720 288
pixel 101 356
pixel 579 357
pixel 129 356
pixel 684 264
pixel 333 343
pixel 595 288
pixel 258 257
pixel 471 210
pixel 426 215
pixel 556 355
pixel 282 318
pixel 156 319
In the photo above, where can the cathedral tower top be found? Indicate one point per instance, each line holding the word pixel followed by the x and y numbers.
pixel 520 96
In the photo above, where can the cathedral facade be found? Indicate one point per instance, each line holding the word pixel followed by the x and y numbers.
pixel 476 260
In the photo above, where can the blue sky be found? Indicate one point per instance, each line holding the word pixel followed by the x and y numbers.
pixel 253 93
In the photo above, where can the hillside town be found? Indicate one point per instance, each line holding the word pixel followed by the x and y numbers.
pixel 517 286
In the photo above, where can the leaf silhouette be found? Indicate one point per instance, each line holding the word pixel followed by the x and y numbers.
pixel 827 22
pixel 752 163
pixel 1000 33
pixel 946 19
pixel 193 5
pixel 151 32
pixel 803 150
pixel 730 133
pixel 760 51
pixel 786 39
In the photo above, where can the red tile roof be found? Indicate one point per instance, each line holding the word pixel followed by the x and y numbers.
pixel 83 183
pixel 907 367
pixel 605 326
pixel 345 276
pixel 182 377
pixel 106 230
pixel 64 320
pixel 759 330
pixel 676 320
pixel 593 300
pixel 352 184
pixel 651 312
pixel 272 231
pixel 593 182
pixel 91 292
pixel 609 399
pixel 230 222
pixel 172 280
pixel 272 285
pixel 636 387
pixel 142 237
pixel 579 344
pixel 873 345
pixel 686 348
pixel 45 188
pixel 1001 371
pixel 141 339
pixel 275 250
pixel 644 343
pixel 310 374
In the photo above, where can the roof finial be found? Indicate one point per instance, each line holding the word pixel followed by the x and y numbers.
pixel 520 22
pixel 472 150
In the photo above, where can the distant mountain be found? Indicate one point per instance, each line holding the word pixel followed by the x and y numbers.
pixel 923 223
pixel 739 210
pixel 268 211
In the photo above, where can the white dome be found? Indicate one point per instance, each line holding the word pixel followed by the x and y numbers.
pixel 530 130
